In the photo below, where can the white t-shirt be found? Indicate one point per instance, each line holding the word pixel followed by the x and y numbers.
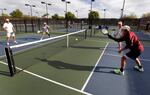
pixel 118 33
pixel 8 27
pixel 45 28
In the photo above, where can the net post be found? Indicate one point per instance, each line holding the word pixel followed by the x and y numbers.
pixel 10 61
pixel 67 41
pixel 85 36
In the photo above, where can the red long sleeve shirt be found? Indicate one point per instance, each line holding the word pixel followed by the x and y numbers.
pixel 132 42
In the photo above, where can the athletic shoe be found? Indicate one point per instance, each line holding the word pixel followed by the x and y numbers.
pixel 15 42
pixel 118 72
pixel 139 69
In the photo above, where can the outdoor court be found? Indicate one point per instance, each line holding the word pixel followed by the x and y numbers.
pixel 84 68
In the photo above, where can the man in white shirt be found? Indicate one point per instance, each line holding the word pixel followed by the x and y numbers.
pixel 8 27
pixel 119 33
pixel 45 30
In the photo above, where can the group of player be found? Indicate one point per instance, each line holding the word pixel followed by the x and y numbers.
pixel 131 40
pixel 10 31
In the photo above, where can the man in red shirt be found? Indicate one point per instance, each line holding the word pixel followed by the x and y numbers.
pixel 135 47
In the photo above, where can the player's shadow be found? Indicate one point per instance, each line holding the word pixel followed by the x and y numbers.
pixel 63 65
pixel 105 69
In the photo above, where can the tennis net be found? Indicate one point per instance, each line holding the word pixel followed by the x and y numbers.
pixel 27 54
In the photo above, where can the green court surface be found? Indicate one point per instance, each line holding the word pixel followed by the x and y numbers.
pixel 63 73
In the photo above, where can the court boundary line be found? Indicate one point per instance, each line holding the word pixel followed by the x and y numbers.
pixel 49 80
pixel 115 55
pixel 88 79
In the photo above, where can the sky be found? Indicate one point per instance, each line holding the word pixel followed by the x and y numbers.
pixel 113 7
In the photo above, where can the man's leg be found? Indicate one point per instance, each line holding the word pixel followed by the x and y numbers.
pixel 14 38
pixel 134 55
pixel 7 38
pixel 119 46
pixel 123 63
pixel 48 33
pixel 139 66
pixel 42 35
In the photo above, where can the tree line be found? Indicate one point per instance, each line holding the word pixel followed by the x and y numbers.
pixel 69 15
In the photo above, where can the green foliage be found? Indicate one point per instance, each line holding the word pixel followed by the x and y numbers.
pixel 93 15
pixel 131 16
pixel 4 16
pixel 45 15
pixel 146 15
pixel 69 16
pixel 16 14
pixel 56 16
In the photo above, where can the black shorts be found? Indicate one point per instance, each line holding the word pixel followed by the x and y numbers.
pixel 133 54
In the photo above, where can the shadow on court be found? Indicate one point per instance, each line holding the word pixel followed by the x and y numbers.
pixel 63 65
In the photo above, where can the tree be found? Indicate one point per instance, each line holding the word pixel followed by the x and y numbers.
pixel 56 16
pixel 69 16
pixel 4 16
pixel 130 16
pixel 45 15
pixel 16 13
pixel 93 15
pixel 146 15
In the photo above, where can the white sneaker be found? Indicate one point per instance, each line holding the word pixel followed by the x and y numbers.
pixel 15 42
pixel 139 69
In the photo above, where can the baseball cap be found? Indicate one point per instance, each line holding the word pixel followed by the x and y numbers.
pixel 7 19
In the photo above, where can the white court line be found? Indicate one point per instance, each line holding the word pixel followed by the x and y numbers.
pixel 49 80
pixel 85 84
pixel 121 56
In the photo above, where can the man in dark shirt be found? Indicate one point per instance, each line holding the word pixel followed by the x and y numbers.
pixel 135 47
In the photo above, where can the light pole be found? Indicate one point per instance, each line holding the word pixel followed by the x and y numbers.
pixel 91 19
pixel 66 2
pixel 122 10
pixel 2 9
pixel 37 14
pixel 92 4
pixel 104 13
pixel 46 7
pixel 77 13
pixel 30 8
pixel 31 14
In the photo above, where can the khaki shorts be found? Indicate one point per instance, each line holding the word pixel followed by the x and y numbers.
pixel 10 34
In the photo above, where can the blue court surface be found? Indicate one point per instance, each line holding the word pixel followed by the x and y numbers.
pixel 105 82
pixel 20 40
